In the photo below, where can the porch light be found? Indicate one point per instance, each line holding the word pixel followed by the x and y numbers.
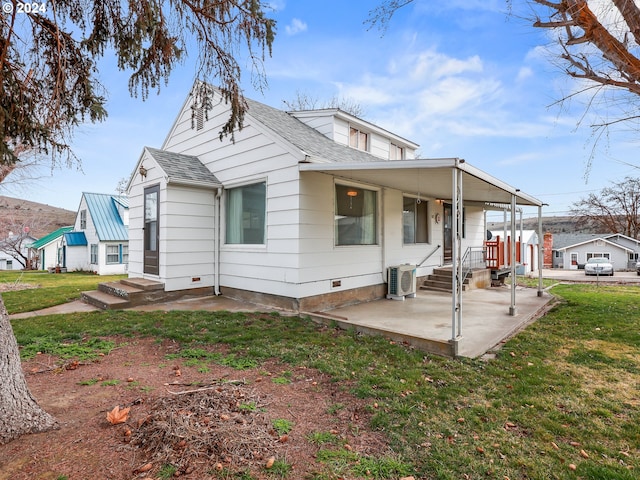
pixel 352 193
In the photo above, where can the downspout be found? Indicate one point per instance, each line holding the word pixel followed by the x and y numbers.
pixel 383 243
pixel 217 241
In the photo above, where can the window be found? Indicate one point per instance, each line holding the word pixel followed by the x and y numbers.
pixel 113 254
pixel 396 152
pixel 358 139
pixel 125 253
pixel 598 255
pixel 94 254
pixel 355 216
pixel 246 212
pixel 415 220
pixel 9 264
pixel 83 219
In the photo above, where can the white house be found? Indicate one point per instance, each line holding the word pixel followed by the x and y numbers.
pixel 622 251
pixel 304 209
pixel 14 251
pixel 46 252
pixel 99 241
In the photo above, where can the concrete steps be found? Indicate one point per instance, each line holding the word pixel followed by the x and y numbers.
pixel 126 293
pixel 440 280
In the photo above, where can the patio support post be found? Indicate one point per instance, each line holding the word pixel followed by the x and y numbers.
pixel 456 257
pixel 512 253
pixel 540 251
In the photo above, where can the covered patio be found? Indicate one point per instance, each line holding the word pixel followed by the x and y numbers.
pixel 455 324
pixel 424 321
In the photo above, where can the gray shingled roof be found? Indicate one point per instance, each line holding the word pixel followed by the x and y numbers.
pixel 304 137
pixel 562 240
pixel 183 168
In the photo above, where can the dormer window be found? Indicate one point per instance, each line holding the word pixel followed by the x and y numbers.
pixel 358 139
pixel 396 152
pixel 83 219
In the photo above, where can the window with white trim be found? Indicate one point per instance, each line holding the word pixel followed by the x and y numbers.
pixel 415 220
pixel 599 255
pixel 358 139
pixel 83 219
pixel 94 254
pixel 396 152
pixel 113 254
pixel 246 214
pixel 125 253
pixel 356 214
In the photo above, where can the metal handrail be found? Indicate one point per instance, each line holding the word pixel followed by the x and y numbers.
pixel 429 255
pixel 473 258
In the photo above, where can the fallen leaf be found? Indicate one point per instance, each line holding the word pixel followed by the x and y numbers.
pixel 116 415
pixel 584 454
pixel 144 468
pixel 574 444
pixel 555 446
pixel 270 462
pixel 283 438
pixel 572 466
pixel 479 449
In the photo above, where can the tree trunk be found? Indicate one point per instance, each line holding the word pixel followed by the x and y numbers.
pixel 19 411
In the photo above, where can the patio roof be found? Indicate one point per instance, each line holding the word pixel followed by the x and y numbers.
pixel 429 177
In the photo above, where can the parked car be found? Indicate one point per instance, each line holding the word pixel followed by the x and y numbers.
pixel 638 268
pixel 598 266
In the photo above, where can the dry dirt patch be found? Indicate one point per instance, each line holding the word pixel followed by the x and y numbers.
pixel 225 422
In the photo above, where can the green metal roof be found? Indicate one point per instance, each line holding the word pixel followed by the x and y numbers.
pixel 50 237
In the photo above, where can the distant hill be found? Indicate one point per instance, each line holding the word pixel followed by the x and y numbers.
pixel 549 224
pixel 41 219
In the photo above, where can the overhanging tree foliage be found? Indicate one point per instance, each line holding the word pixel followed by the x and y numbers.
pixel 49 86
pixel 615 209
pixel 596 42
pixel 48 54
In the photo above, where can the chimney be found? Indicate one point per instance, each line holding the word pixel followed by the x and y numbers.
pixel 547 246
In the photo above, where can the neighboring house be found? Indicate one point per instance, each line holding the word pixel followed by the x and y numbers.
pixel 46 252
pixel 571 251
pixel 528 244
pixel 99 241
pixel 303 210
pixel 9 259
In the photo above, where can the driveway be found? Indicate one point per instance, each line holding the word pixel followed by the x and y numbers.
pixel 579 276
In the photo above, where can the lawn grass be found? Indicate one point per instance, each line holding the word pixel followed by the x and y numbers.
pixel 53 289
pixel 562 394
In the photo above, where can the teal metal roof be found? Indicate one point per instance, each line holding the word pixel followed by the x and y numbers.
pixel 50 237
pixel 103 209
pixel 75 239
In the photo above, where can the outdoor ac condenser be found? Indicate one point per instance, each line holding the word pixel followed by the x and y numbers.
pixel 401 280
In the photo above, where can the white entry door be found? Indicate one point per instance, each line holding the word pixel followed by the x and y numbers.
pixel 573 264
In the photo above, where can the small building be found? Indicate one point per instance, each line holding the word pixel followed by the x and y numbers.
pixel 572 251
pixel 14 252
pixel 46 252
pixel 99 241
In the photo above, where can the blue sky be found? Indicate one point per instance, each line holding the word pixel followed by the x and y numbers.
pixel 461 78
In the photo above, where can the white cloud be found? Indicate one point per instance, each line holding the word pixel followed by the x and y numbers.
pixel 524 73
pixel 296 26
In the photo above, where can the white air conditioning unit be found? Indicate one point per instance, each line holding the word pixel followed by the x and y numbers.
pixel 401 281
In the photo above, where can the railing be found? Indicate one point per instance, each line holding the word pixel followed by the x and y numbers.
pixel 429 255
pixel 473 258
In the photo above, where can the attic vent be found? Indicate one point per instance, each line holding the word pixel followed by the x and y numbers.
pixel 199 118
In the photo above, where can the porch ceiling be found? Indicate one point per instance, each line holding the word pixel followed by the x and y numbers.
pixel 428 177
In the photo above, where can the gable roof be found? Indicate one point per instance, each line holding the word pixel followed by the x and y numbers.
pixel 601 238
pixel 183 169
pixel 318 147
pixel 104 214
pixel 50 237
